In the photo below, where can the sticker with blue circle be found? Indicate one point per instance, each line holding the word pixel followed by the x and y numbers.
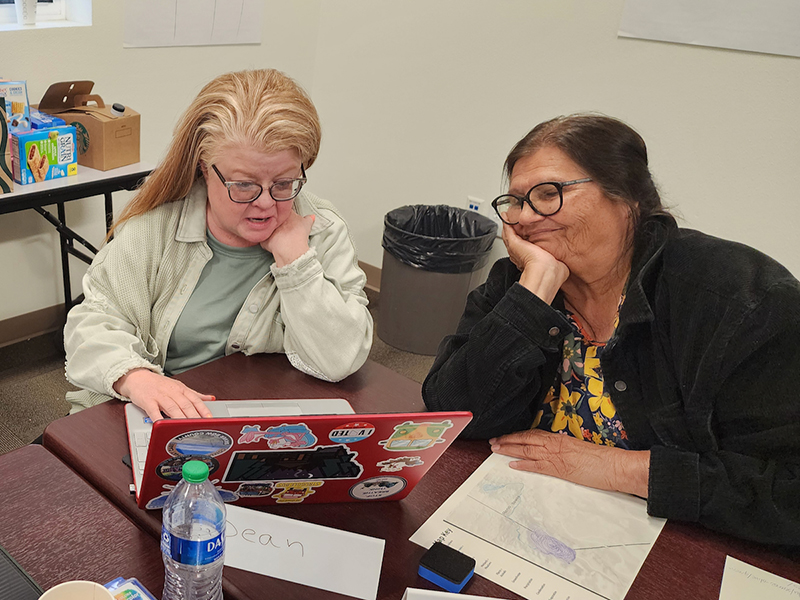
pixel 350 433
pixel 203 443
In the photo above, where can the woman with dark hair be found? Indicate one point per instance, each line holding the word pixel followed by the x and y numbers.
pixel 674 352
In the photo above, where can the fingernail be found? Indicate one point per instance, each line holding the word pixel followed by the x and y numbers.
pixel 493 440
pixel 495 448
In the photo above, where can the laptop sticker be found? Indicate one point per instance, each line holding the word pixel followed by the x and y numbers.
pixel 200 443
pixel 350 433
pixel 255 490
pixel 294 492
pixel 280 436
pixel 172 468
pixel 159 501
pixel 392 465
pixel 416 436
pixel 323 462
pixel 378 488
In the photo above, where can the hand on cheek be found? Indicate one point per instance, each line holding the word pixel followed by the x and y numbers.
pixel 290 240
pixel 542 273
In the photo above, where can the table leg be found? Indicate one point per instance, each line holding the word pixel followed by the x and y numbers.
pixel 109 212
pixel 65 245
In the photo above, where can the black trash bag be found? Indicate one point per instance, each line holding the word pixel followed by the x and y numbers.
pixel 442 239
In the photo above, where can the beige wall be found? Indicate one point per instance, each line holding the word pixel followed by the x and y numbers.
pixel 421 100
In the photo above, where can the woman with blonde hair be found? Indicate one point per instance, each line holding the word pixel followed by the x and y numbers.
pixel 221 251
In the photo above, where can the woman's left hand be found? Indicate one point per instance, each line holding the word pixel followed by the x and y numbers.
pixel 289 241
pixel 576 460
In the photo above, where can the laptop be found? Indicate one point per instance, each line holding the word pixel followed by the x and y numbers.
pixel 273 452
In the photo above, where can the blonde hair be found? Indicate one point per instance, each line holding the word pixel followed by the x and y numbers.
pixel 263 109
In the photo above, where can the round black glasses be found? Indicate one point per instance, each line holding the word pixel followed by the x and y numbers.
pixel 244 192
pixel 545 199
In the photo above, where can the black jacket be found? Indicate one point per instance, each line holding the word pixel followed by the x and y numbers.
pixel 703 369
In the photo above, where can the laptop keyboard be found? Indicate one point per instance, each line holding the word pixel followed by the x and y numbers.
pixel 141 441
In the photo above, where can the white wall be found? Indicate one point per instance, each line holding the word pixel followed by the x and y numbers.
pixel 421 100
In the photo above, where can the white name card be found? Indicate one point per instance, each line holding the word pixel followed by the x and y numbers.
pixel 741 581
pixel 418 594
pixel 321 557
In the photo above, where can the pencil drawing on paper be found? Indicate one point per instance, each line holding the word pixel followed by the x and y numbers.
pixel 576 533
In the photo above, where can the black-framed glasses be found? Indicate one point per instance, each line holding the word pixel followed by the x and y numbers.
pixel 545 199
pixel 244 192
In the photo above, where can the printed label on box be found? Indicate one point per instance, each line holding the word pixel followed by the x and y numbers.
pixel 44 154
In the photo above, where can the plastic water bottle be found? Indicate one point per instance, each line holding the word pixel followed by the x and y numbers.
pixel 193 537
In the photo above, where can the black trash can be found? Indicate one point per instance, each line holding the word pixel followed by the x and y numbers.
pixel 433 257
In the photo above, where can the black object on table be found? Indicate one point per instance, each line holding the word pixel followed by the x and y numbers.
pixel 15 583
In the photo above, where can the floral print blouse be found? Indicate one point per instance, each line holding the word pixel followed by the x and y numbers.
pixel 578 404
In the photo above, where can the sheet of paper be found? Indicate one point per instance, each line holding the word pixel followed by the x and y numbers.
pixel 321 557
pixel 418 594
pixel 152 23
pixel 741 581
pixel 770 26
pixel 542 537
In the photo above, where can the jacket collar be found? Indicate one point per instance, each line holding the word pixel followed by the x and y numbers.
pixel 645 267
pixel 192 222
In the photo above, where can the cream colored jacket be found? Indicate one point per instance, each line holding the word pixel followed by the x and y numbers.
pixel 314 309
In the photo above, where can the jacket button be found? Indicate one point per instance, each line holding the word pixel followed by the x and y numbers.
pixel 620 386
pixel 236 347
pixel 253 308
pixel 554 331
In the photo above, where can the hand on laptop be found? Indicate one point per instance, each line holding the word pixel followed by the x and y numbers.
pixel 156 394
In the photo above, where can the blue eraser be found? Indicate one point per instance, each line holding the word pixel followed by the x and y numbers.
pixel 446 567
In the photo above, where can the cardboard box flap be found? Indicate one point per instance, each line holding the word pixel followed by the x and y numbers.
pixel 84 99
pixel 101 113
pixel 65 95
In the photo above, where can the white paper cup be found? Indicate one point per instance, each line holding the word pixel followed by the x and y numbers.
pixel 77 590
pixel 26 11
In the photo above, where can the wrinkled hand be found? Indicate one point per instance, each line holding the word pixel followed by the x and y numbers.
pixel 576 460
pixel 155 393
pixel 289 241
pixel 542 273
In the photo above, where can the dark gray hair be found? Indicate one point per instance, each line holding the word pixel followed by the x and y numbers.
pixel 611 153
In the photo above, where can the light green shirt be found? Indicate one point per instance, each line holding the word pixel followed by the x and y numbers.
pixel 201 332
pixel 314 309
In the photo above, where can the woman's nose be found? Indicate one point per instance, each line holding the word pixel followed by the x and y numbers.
pixel 265 200
pixel 528 215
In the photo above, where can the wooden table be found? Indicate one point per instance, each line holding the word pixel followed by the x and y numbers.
pixel 88 182
pixel 60 529
pixel 686 561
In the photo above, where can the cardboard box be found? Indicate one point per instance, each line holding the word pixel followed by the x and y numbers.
pixel 18 111
pixel 105 139
pixel 6 176
pixel 44 154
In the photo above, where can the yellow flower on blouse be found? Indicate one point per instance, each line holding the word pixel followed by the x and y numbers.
pixel 591 363
pixel 566 415
pixel 599 398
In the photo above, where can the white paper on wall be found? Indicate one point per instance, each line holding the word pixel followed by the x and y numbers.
pixel 156 23
pixel 769 26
